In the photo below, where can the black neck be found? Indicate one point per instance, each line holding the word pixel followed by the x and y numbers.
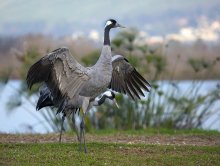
pixel 102 100
pixel 106 36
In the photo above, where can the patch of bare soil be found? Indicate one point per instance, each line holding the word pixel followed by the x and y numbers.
pixel 197 140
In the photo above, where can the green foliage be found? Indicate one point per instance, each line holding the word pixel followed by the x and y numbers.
pixel 156 64
pixel 125 40
pixel 28 59
pixel 155 131
pixel 198 64
pixel 117 42
pixel 171 109
pixel 91 58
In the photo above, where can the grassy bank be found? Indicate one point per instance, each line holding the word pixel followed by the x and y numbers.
pixel 114 147
pixel 153 131
pixel 107 154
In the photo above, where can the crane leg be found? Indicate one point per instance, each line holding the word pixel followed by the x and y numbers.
pixel 85 108
pixel 62 128
pixel 74 123
pixel 80 138
pixel 82 135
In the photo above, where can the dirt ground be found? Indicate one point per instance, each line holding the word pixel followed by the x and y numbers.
pixel 197 140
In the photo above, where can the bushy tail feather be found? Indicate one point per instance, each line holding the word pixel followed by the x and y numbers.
pixel 45 98
pixel 44 101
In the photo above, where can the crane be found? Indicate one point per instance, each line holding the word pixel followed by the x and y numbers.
pixel 68 80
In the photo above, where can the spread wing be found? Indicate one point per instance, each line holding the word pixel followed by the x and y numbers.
pixel 126 79
pixel 60 71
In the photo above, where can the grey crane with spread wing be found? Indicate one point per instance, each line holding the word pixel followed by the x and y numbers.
pixel 68 80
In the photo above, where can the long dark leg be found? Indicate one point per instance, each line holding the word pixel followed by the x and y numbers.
pixel 85 107
pixel 62 128
pixel 84 139
pixel 82 134
pixel 81 129
pixel 74 122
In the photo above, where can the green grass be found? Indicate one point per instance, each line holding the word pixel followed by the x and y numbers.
pixel 107 154
pixel 153 131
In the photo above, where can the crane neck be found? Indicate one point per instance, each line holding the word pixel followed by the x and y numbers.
pixel 106 36
pixel 104 60
pixel 102 100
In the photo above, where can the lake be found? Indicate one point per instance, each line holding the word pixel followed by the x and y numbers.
pixel 25 119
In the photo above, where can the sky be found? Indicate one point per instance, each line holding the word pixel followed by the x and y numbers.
pixel 62 17
pixel 54 11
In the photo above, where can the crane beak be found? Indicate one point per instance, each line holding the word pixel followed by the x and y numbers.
pixel 119 25
pixel 116 103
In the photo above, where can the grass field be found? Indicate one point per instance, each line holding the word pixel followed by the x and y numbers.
pixel 113 148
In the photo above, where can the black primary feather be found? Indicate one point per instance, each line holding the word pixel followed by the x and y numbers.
pixel 126 79
pixel 45 98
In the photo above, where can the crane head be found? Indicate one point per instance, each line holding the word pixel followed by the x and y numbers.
pixel 111 23
pixel 111 96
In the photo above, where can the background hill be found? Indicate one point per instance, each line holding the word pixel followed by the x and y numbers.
pixel 64 17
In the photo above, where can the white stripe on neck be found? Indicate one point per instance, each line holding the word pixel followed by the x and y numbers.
pixel 108 23
pixel 108 93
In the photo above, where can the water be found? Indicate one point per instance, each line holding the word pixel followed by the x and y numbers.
pixel 25 119
pixel 22 118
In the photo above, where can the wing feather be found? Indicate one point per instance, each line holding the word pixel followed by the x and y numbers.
pixel 142 78
pixel 132 88
pixel 126 79
pixel 60 71
pixel 141 84
pixel 129 92
pixel 136 86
